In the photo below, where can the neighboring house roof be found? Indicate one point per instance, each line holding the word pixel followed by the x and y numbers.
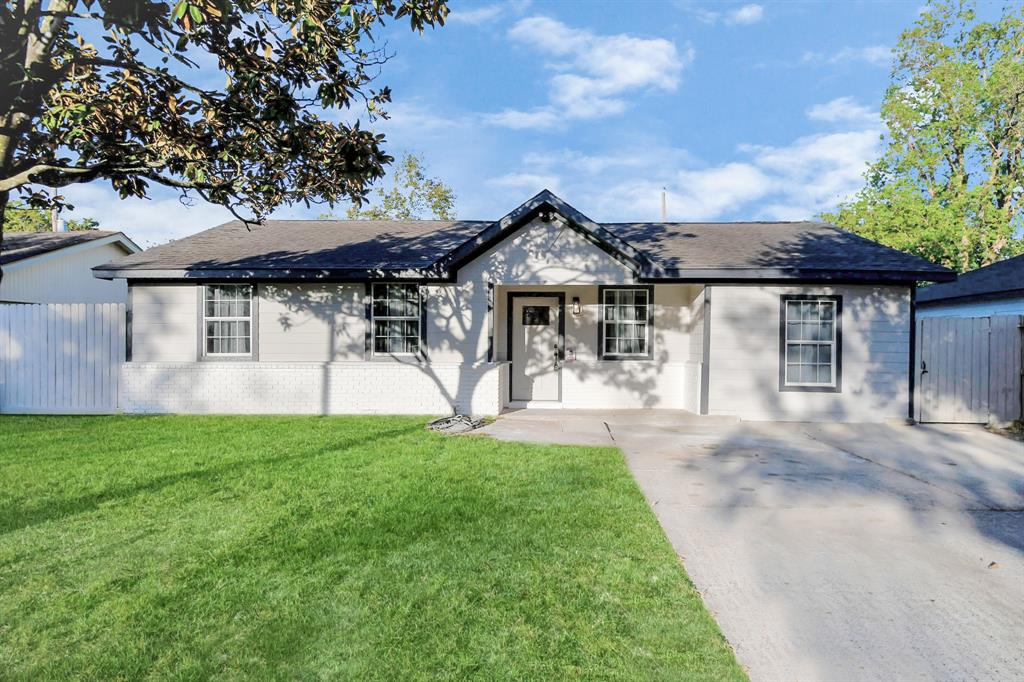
pixel 18 246
pixel 435 250
pixel 1003 279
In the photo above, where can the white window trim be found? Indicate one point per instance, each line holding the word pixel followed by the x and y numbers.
pixel 831 343
pixel 418 319
pixel 249 319
pixel 605 322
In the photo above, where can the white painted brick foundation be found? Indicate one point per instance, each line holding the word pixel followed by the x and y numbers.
pixel 312 388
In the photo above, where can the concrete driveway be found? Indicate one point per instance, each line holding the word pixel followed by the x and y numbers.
pixel 834 552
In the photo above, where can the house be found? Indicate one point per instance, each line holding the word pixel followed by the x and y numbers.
pixel 996 289
pixel 56 267
pixel 544 307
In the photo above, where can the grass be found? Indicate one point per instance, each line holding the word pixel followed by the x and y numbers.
pixel 368 548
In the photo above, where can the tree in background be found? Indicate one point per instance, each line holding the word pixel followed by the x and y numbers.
pixel 413 196
pixel 235 121
pixel 950 185
pixel 21 218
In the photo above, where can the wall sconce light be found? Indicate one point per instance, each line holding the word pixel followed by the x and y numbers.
pixel 575 305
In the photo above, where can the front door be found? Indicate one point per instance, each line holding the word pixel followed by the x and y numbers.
pixel 536 366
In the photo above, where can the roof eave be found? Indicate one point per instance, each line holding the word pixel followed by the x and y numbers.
pixel 440 275
pixel 31 259
pixel 701 275
pixel 274 274
pixel 970 298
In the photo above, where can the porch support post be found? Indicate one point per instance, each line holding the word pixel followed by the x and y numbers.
pixel 705 365
pixel 490 322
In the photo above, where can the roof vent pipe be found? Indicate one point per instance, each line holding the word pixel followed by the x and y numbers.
pixel 664 206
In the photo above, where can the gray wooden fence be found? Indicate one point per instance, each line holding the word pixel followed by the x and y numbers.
pixel 969 369
pixel 60 357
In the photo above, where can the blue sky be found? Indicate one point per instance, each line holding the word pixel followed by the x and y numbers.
pixel 740 111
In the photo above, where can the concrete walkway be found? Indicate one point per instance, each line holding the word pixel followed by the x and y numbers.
pixel 833 552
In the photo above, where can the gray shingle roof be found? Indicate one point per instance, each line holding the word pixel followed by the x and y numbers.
pixel 297 249
pixel 767 246
pixel 21 245
pixel 307 245
pixel 1005 277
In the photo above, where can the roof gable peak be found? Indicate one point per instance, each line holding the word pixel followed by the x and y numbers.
pixel 546 205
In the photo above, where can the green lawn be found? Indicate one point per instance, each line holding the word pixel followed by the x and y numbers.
pixel 275 547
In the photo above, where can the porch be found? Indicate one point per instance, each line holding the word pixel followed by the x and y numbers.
pixel 615 346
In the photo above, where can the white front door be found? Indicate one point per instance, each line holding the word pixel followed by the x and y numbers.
pixel 536 370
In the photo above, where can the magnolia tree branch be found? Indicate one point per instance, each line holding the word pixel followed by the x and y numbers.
pixel 52 175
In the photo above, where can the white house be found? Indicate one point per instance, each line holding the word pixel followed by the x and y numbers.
pixel 56 267
pixel 544 307
pixel 996 289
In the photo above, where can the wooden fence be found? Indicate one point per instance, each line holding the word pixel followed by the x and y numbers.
pixel 60 357
pixel 969 369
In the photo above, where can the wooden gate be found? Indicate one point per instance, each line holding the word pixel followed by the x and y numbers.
pixel 60 357
pixel 969 369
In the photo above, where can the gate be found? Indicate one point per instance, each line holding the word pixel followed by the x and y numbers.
pixel 60 357
pixel 969 369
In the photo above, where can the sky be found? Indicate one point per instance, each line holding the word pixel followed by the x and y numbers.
pixel 738 111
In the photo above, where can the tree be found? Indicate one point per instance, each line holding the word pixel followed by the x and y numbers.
pixel 950 184
pixel 413 196
pixel 22 218
pixel 145 104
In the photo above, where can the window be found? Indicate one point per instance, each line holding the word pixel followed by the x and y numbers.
pixel 396 319
pixel 625 323
pixel 536 315
pixel 227 317
pixel 811 343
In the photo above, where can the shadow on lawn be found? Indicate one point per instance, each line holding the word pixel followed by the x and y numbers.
pixel 16 519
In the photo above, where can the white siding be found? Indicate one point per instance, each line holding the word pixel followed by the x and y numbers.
pixel 64 278
pixel 164 326
pixel 695 355
pixel 546 253
pixel 744 371
pixel 306 323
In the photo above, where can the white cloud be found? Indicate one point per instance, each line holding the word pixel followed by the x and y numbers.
pixel 527 183
pixel 842 110
pixel 594 73
pixel 641 157
pixel 875 55
pixel 418 118
pixel 706 16
pixel 540 118
pixel 147 221
pixel 794 181
pixel 816 172
pixel 748 14
pixel 487 14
